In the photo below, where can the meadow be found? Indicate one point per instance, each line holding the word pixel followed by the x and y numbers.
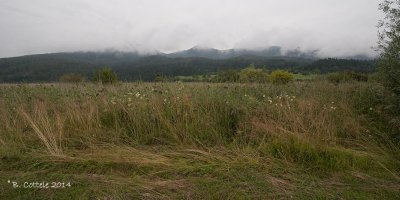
pixel 302 140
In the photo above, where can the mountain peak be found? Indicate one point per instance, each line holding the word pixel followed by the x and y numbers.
pixel 200 47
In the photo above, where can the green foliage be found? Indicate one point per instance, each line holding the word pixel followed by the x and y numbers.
pixel 389 62
pixel 72 78
pixel 131 67
pixel 377 103
pixel 314 157
pixel 253 75
pixel 329 65
pixel 106 75
pixel 281 77
pixel 340 77
pixel 229 76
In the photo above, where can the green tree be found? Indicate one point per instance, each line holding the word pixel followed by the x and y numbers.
pixel 389 44
pixel 105 75
pixel 281 77
pixel 389 61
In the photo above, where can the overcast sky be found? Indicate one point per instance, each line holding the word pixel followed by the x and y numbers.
pixel 335 27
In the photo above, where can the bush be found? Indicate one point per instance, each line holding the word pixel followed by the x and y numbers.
pixel 251 74
pixel 380 105
pixel 105 75
pixel 72 78
pixel 360 77
pixel 281 77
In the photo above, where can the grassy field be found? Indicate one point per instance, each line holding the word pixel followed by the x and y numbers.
pixel 304 140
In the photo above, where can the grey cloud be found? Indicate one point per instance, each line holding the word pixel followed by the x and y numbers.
pixel 335 27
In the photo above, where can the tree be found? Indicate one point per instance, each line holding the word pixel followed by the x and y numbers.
pixel 105 75
pixel 389 61
pixel 389 44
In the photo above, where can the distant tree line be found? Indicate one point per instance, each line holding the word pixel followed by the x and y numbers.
pixel 105 76
pixel 250 74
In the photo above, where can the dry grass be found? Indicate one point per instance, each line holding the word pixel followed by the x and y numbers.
pixel 49 132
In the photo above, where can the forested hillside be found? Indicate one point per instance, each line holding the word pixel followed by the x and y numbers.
pixel 132 66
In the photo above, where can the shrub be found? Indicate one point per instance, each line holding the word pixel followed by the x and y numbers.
pixel 360 77
pixel 379 104
pixel 251 74
pixel 105 75
pixel 281 77
pixel 72 78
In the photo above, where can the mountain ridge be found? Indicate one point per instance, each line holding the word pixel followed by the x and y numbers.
pixel 213 53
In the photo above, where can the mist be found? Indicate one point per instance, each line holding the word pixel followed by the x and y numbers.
pixel 336 28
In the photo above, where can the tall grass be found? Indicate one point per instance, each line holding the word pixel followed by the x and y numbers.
pixel 202 115
pixel 318 127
